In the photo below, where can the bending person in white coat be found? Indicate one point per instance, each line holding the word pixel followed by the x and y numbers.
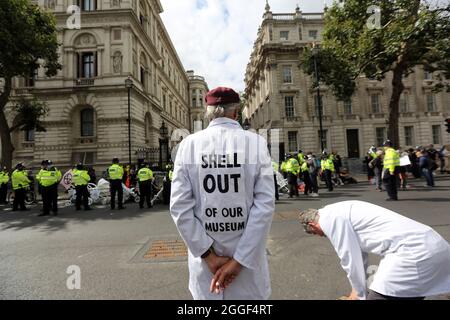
pixel 415 259
pixel 222 203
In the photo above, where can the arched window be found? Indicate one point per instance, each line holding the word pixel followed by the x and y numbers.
pixel 87 122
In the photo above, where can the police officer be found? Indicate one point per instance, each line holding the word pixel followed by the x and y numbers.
pixel 222 204
pixel 306 177
pixel 48 180
pixel 283 166
pixel 327 167
pixel 167 184
pixel 293 169
pixel 145 177
pixel 391 168
pixel 300 157
pixel 54 187
pixel 20 183
pixel 4 179
pixel 81 178
pixel 275 168
pixel 115 174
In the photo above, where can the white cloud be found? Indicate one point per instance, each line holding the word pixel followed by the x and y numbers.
pixel 215 37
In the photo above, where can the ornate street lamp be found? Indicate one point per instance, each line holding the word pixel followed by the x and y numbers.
pixel 129 86
pixel 315 54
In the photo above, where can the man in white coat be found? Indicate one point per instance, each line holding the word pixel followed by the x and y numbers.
pixel 415 259
pixel 222 203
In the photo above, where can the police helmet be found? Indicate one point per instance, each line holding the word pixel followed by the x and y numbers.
pixel 44 163
pixel 300 151
pixel 20 166
pixel 115 160
pixel 387 143
pixel 80 166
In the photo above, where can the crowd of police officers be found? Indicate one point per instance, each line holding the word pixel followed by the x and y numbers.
pixel 49 178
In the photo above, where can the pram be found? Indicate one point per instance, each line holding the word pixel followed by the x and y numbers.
pixel 94 195
pixel 129 194
pixel 282 183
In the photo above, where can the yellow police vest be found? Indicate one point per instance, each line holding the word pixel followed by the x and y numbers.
pixel 80 177
pixel 304 167
pixel 301 158
pixel 327 164
pixel 20 180
pixel 292 166
pixel 47 178
pixel 145 174
pixel 4 177
pixel 115 172
pixel 275 166
pixel 391 160
pixel 170 175
pixel 283 166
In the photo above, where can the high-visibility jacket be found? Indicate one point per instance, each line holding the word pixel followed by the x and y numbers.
pixel 275 166
pixel 301 158
pixel 47 178
pixel 145 174
pixel 327 164
pixel 4 177
pixel 20 179
pixel 171 175
pixel 80 177
pixel 283 166
pixel 292 166
pixel 115 172
pixel 304 167
pixel 391 160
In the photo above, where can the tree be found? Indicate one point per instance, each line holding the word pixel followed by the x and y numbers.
pixel 28 39
pixel 377 37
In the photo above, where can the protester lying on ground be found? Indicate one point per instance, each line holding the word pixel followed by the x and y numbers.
pixel 415 259
pixel 346 178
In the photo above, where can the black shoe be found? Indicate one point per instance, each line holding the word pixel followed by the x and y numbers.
pixel 141 207
pixel 25 209
pixel 55 214
pixel 390 199
pixel 77 209
pixel 112 208
pixel 122 208
pixel 43 214
pixel 88 209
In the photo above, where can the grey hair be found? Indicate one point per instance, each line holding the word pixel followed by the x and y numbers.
pixel 307 216
pixel 220 111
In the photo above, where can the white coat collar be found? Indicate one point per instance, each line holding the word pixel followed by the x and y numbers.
pixel 223 121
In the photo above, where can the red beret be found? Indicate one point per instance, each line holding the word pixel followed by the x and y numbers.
pixel 221 95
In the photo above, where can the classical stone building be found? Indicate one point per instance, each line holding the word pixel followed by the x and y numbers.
pixel 88 100
pixel 198 90
pixel 280 97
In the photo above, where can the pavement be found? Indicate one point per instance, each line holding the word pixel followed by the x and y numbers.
pixel 137 254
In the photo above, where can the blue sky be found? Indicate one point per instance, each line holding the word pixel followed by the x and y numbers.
pixel 215 37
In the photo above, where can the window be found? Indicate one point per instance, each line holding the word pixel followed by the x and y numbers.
pixel 270 34
pixel 88 5
pixel 313 34
pixel 88 158
pixel 436 130
pixel 375 102
pixel 428 75
pixel 31 80
pixel 380 134
pixel 87 66
pixel 431 102
pixel 194 102
pixel 348 107
pixel 142 72
pixel 325 138
pixel 409 136
pixel 287 74
pixel 87 122
pixel 318 103
pixel 117 34
pixel 300 35
pixel 284 35
pixel 289 106
pixel 29 135
pixel 404 102
pixel 292 141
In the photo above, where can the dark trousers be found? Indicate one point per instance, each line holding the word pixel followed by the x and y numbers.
pixel 308 184
pixel 327 177
pixel 145 190
pixel 3 192
pixel 46 193
pixel 54 197
pixel 277 195
pixel 82 197
pixel 293 187
pixel 428 174
pixel 373 295
pixel 116 187
pixel 314 184
pixel 19 199
pixel 390 184
pixel 378 173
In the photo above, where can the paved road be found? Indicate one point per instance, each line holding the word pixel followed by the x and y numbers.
pixel 109 247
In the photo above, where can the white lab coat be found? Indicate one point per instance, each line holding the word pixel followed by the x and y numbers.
pixel 415 259
pixel 192 206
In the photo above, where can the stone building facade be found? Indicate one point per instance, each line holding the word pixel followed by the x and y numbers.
pixel 197 91
pixel 88 100
pixel 279 96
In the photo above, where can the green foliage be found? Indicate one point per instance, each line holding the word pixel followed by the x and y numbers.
pixel 411 33
pixel 29 115
pixel 28 39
